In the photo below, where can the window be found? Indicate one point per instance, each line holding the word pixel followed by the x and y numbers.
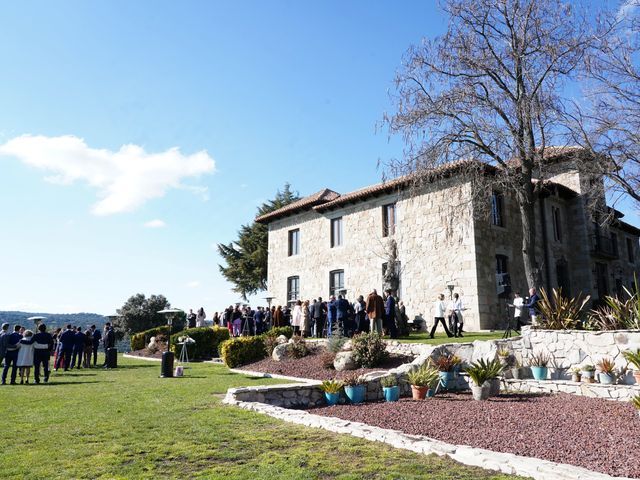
pixel 336 232
pixel 503 283
pixel 294 242
pixel 388 220
pixel 630 252
pixel 293 289
pixel 602 280
pixel 336 282
pixel 614 244
pixel 557 229
pixel 497 207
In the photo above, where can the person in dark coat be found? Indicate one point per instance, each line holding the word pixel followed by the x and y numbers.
pixel 96 336
pixel 319 312
pixel 78 348
pixel 342 315
pixel 375 311
pixel 108 340
pixel 390 314
pixel 4 338
pixel 11 355
pixel 331 315
pixel 67 341
pixel 42 349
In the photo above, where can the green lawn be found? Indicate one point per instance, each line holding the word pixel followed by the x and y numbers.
pixel 440 338
pixel 128 423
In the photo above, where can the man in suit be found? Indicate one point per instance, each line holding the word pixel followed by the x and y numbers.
pixel 331 315
pixel 108 340
pixel 11 355
pixel 390 314
pixel 96 336
pixel 319 310
pixel 342 315
pixel 78 348
pixel 4 338
pixel 42 348
pixel 67 340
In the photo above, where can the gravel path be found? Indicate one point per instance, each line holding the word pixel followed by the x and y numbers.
pixel 597 434
pixel 311 367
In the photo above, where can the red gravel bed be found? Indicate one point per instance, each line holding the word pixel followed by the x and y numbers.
pixel 146 354
pixel 311 367
pixel 597 434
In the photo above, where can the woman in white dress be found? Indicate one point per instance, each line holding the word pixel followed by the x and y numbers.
pixel 25 356
pixel 200 318
pixel 296 317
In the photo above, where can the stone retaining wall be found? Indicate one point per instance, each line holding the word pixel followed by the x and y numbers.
pixel 622 393
pixel 575 348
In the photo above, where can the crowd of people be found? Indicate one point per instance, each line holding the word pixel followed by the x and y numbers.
pixel 319 318
pixel 22 350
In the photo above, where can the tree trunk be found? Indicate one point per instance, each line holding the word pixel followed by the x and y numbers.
pixel 526 203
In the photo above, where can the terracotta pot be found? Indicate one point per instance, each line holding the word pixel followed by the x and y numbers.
pixel 419 393
pixel 636 375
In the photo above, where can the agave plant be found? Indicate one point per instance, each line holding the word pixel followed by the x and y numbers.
pixel 632 357
pixel 483 370
pixel 606 365
pixel 446 363
pixel 559 312
pixel 331 386
pixel 617 314
pixel 425 376
pixel 539 359
pixel 635 401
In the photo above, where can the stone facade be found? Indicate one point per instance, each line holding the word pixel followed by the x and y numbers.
pixel 442 239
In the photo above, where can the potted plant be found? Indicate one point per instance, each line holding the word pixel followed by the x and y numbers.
pixel 607 368
pixel 588 372
pixel 538 364
pixel 635 401
pixel 575 374
pixel 518 372
pixel 504 354
pixel 446 365
pixel 479 374
pixel 355 388
pixel 390 388
pixel 421 380
pixel 494 370
pixel 634 359
pixel 331 389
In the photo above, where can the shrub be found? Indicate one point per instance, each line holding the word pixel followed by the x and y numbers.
pixel 335 343
pixel 207 341
pixel 484 370
pixel 617 314
pixel 240 351
pixel 447 363
pixel 277 331
pixel 298 348
pixel 270 343
pixel 140 340
pixel 327 359
pixel 353 380
pixel 369 350
pixel 558 312
pixel 389 381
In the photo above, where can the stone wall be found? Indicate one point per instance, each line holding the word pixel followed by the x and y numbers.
pixel 575 348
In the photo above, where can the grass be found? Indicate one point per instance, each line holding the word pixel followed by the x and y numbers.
pixel 128 423
pixel 440 338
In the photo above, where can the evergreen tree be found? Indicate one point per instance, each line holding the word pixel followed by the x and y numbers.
pixel 246 257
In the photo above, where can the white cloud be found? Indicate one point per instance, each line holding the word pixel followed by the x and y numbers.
pixel 193 284
pixel 124 179
pixel 155 224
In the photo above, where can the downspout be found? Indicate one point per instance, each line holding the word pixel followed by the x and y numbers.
pixel 545 249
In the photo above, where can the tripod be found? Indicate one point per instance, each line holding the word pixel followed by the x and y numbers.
pixel 184 354
pixel 246 328
pixel 510 329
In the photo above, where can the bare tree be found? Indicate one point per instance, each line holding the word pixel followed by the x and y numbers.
pixel 490 89
pixel 609 124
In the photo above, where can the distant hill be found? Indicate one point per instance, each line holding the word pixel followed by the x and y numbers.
pixel 54 319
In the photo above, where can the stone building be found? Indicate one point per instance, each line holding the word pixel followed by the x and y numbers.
pixel 434 240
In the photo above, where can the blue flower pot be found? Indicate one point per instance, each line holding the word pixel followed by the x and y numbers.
pixel 355 393
pixel 391 394
pixel 539 373
pixel 445 378
pixel 331 398
pixel 431 392
pixel 606 378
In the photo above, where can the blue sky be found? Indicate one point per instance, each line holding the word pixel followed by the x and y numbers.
pixel 253 94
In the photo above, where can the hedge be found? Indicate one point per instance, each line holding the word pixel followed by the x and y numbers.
pixel 207 339
pixel 242 350
pixel 141 339
pixel 277 331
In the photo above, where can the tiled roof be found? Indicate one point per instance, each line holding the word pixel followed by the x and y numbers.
pixel 322 196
